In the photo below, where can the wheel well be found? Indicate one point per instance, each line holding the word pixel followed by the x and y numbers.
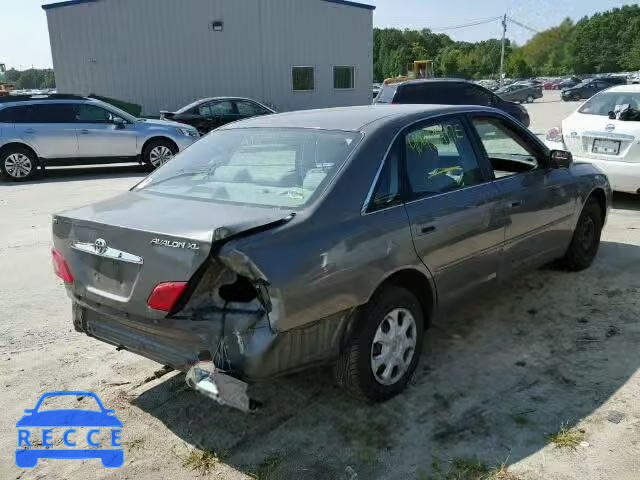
pixel 418 284
pixel 21 145
pixel 153 139
pixel 600 196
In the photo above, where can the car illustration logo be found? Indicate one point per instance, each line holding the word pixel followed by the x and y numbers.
pixel 102 437
pixel 610 127
pixel 100 245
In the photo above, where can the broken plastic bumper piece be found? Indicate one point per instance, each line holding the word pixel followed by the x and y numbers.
pixel 205 378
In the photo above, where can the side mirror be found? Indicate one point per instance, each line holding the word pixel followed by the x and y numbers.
pixel 118 122
pixel 561 159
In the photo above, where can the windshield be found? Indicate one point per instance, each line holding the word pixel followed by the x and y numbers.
pixel 606 102
pixel 274 167
pixel 115 110
pixel 386 94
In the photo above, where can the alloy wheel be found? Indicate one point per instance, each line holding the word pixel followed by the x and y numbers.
pixel 18 165
pixel 393 346
pixel 160 155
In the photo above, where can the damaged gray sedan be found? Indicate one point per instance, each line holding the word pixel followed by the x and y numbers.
pixel 323 237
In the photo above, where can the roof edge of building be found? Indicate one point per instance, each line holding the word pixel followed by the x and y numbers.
pixel 69 3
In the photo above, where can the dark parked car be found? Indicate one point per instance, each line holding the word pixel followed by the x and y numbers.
pixel 520 92
pixel 443 91
pixel 323 237
pixel 566 83
pixel 586 89
pixel 210 113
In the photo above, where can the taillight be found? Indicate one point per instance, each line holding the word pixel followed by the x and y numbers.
pixel 165 295
pixel 60 267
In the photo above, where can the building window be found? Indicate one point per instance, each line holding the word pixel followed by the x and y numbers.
pixel 344 77
pixel 303 78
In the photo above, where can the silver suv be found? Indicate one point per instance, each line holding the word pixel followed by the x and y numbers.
pixel 60 130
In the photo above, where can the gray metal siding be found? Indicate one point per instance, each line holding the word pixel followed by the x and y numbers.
pixel 163 54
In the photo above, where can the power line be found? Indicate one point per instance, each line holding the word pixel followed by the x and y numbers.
pixel 465 25
pixel 521 25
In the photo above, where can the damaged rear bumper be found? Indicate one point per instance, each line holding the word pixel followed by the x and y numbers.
pixel 239 342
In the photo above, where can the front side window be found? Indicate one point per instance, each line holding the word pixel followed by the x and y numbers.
pixel 606 102
pixel 344 77
pixel 92 114
pixel 303 78
pixel 439 158
pixel 275 167
pixel 508 151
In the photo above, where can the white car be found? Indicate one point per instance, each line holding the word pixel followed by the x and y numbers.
pixel 605 131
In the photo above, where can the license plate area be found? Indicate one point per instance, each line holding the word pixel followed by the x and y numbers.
pixel 606 147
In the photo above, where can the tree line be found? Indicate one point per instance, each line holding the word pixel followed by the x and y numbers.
pixel 31 79
pixel 603 43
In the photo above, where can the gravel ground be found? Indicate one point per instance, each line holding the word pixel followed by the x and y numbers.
pixel 556 350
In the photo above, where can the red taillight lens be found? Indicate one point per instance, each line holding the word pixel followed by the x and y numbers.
pixel 165 295
pixel 60 267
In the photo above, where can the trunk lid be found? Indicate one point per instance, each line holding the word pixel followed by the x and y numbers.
pixel 598 137
pixel 120 249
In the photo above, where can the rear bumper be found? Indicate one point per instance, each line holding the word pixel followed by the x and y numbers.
pixel 240 342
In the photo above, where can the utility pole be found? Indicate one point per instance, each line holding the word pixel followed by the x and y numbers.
pixel 504 37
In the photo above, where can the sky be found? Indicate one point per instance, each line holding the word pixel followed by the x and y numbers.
pixel 24 39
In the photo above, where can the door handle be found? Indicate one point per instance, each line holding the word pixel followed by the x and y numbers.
pixel 84 132
pixel 515 204
pixel 426 229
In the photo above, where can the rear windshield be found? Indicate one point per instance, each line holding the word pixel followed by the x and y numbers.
pixel 606 102
pixel 272 167
pixel 386 94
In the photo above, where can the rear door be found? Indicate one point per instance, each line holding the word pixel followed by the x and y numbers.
pixel 456 216
pixel 49 128
pixel 540 201
pixel 100 137
pixel 218 113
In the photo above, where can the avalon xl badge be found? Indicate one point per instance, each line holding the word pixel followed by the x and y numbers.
pixel 159 242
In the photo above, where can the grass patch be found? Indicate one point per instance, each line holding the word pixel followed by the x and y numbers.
pixel 465 469
pixel 367 438
pixel 566 438
pixel 266 468
pixel 202 461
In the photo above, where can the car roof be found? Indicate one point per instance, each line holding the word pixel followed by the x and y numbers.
pixel 430 80
pixel 350 118
pixel 625 89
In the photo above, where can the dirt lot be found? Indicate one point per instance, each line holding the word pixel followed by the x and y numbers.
pixel 556 352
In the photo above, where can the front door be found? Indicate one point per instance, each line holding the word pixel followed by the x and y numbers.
pixel 457 220
pixel 100 137
pixel 539 200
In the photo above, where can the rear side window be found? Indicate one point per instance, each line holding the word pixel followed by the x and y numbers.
pixel 387 94
pixel 50 113
pixel 15 114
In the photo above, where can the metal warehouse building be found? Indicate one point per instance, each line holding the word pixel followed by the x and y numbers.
pixel 163 54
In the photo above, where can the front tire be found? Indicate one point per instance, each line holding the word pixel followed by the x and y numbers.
pixel 383 353
pixel 158 152
pixel 18 164
pixel 530 99
pixel 586 237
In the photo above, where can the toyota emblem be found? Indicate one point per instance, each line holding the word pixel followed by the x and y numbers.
pixel 100 245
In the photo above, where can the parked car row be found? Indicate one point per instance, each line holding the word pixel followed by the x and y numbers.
pixel 443 91
pixel 590 87
pixel 37 131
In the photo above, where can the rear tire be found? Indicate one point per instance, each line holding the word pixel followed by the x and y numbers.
pixel 158 152
pixel 530 99
pixel 18 164
pixel 384 351
pixel 586 237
